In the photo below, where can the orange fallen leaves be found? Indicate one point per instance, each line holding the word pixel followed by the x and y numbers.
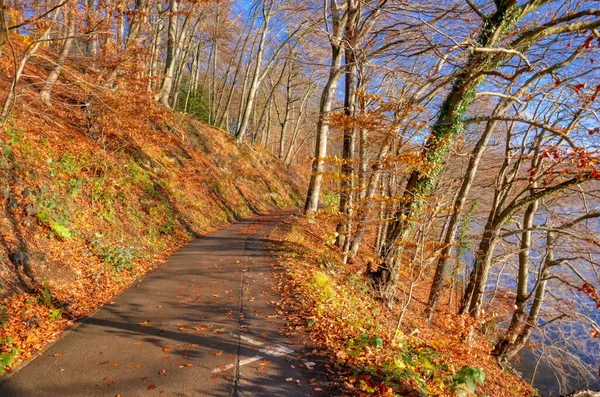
pixel 332 325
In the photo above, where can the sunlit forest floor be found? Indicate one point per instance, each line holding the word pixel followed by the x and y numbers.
pixel 333 302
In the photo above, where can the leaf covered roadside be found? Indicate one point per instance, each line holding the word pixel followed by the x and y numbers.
pixel 333 303
pixel 98 189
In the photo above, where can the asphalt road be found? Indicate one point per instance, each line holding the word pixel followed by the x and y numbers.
pixel 204 324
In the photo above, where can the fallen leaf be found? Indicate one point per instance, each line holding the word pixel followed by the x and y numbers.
pixel 117 365
pixel 103 363
pixel 167 349
pixel 317 389
pixel 151 387
pixel 289 379
pixel 56 355
pixel 220 331
pixel 144 378
pixel 162 372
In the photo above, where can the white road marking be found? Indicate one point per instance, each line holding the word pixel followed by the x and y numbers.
pixel 276 351
pixel 309 364
pixel 249 340
pixel 242 362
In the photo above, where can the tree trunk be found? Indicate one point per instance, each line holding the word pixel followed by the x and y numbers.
pixel 318 166
pixel 338 22
pixel 46 91
pixel 350 87
pixel 438 278
pixel 29 52
pixel 508 347
pixel 90 9
pixel 475 291
pixel 254 85
pixel 362 216
pixel 164 93
pixel 347 184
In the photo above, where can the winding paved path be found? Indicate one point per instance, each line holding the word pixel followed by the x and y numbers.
pixel 203 324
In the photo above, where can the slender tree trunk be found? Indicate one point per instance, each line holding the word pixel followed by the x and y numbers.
pixel 509 346
pixel 325 105
pixel 475 291
pixel 154 55
pixel 338 24
pixel 46 91
pixel 346 194
pixel 289 98
pixel 362 216
pixel 465 188
pixel 254 85
pixel 301 110
pixel 29 52
pixel 350 87
pixel 173 46
pixel 90 9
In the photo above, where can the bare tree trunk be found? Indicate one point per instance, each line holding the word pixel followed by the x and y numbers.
pixel 29 52
pixel 346 195
pixel 173 49
pixel 438 278
pixel 289 100
pixel 90 9
pixel 509 346
pixel 256 77
pixel 220 118
pixel 46 91
pixel 325 105
pixel 297 124
pixel 154 55
pixel 362 216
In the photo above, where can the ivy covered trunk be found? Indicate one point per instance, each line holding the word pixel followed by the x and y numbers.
pixel 444 132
